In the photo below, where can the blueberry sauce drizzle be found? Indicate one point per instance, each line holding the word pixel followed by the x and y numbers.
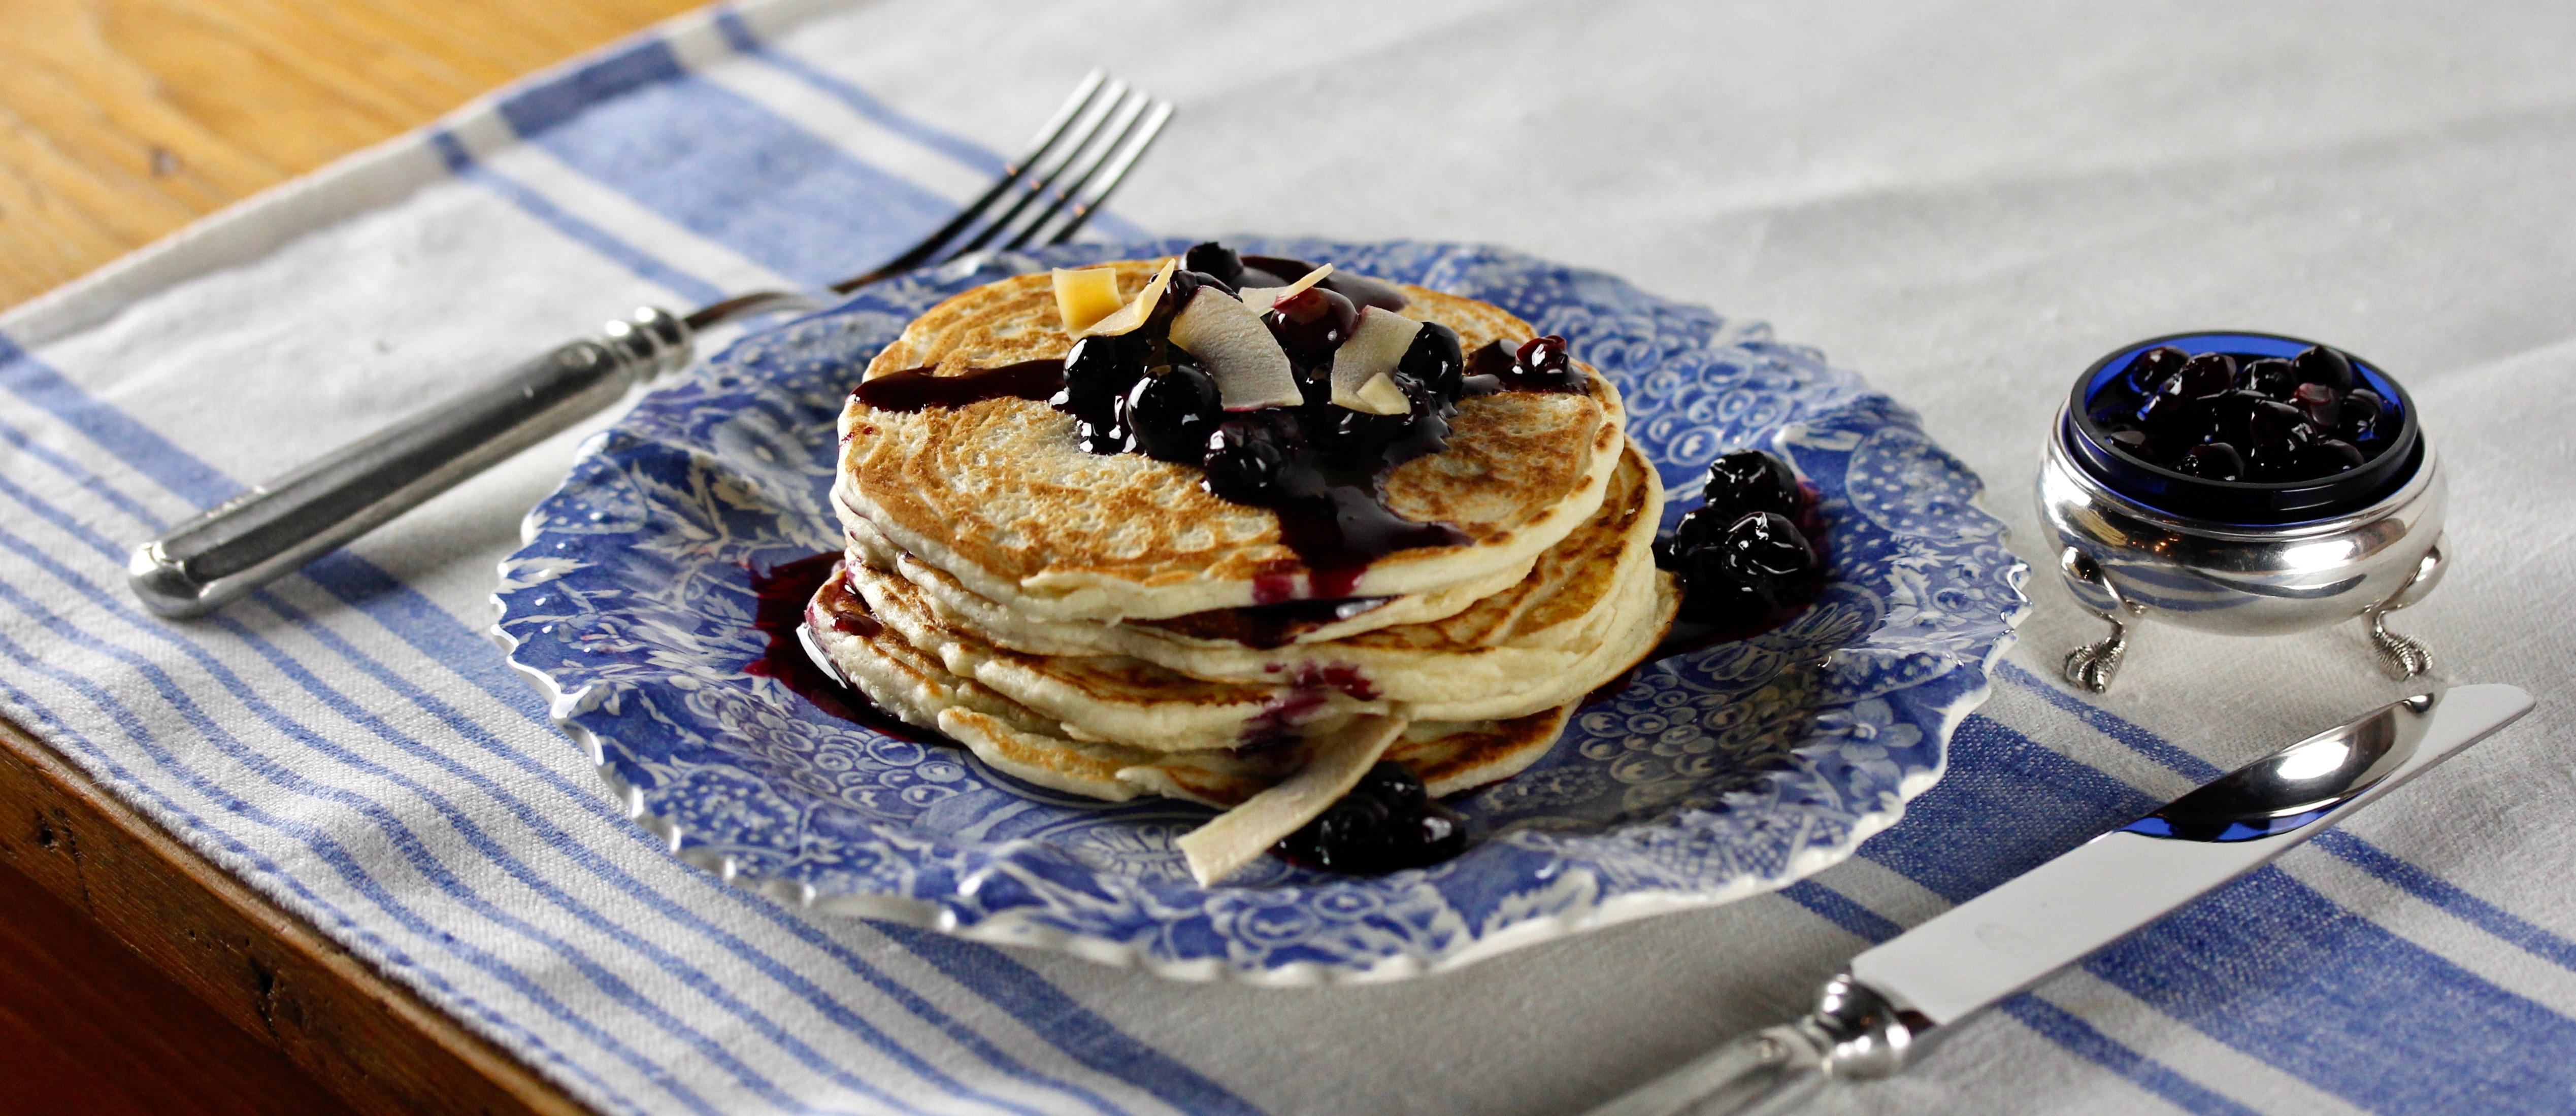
pixel 914 389
pixel 782 595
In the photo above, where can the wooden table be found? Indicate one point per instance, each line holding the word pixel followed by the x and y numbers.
pixel 120 121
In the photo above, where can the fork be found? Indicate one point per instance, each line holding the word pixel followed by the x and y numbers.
pixel 1044 196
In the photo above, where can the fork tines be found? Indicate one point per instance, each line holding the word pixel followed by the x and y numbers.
pixel 1048 193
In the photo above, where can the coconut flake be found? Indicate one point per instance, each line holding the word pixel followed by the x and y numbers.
pixel 1241 835
pixel 1372 351
pixel 1084 296
pixel 1135 312
pixel 1261 299
pixel 1250 370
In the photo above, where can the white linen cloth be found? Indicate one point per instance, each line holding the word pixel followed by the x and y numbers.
pixel 1967 201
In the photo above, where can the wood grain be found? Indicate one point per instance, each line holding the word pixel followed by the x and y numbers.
pixel 122 120
pixel 87 1027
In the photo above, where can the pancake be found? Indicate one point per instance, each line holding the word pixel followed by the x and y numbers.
pixel 1259 626
pixel 1449 756
pixel 1557 634
pixel 998 495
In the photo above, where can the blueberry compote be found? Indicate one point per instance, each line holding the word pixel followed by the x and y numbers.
pixel 2241 428
pixel 781 596
pixel 1387 823
pixel 2241 416
pixel 1749 558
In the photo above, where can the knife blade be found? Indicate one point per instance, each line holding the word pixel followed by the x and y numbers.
pixel 1873 1018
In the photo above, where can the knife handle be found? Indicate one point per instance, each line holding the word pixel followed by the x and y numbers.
pixel 1854 1032
pixel 243 543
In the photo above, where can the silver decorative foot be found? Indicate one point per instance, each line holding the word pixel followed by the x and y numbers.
pixel 2094 665
pixel 2402 657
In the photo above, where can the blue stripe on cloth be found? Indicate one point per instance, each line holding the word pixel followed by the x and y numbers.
pixel 588 235
pixel 724 167
pixel 555 838
pixel 2449 897
pixel 325 849
pixel 2271 967
pixel 1046 1009
pixel 2110 724
pixel 404 612
pixel 1839 909
pixel 401 609
pixel 113 430
pixel 2062 1027
pixel 407 843
pixel 2006 805
pixel 91 482
pixel 738 34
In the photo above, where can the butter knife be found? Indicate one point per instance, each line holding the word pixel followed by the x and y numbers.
pixel 1872 1019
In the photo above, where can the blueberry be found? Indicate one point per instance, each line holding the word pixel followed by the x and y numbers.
pixel 1395 784
pixel 1386 823
pixel 1769 545
pixel 2206 374
pixel 1714 591
pixel 1311 325
pixel 2329 456
pixel 1170 413
pixel 2271 423
pixel 1435 359
pixel 2175 417
pixel 1363 442
pixel 2323 405
pixel 1177 294
pixel 2321 365
pixel 1096 372
pixel 1352 834
pixel 1751 481
pixel 2358 418
pixel 2275 379
pixel 1217 261
pixel 1542 363
pixel 2216 461
pixel 1744 575
pixel 1248 458
pixel 2155 366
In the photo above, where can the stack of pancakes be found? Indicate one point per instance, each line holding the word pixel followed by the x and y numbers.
pixel 1100 624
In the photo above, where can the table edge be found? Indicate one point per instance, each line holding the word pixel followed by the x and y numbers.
pixel 374 1043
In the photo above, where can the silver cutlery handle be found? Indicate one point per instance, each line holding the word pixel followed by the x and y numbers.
pixel 242 543
pixel 1854 1032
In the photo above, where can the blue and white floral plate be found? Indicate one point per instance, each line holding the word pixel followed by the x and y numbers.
pixel 1721 774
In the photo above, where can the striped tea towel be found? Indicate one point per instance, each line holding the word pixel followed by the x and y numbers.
pixel 1968 201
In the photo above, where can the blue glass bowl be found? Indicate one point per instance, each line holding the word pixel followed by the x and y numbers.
pixel 2240 502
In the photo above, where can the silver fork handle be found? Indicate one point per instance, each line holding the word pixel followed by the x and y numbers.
pixel 242 543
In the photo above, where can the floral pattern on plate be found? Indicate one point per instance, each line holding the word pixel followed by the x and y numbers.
pixel 1729 771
